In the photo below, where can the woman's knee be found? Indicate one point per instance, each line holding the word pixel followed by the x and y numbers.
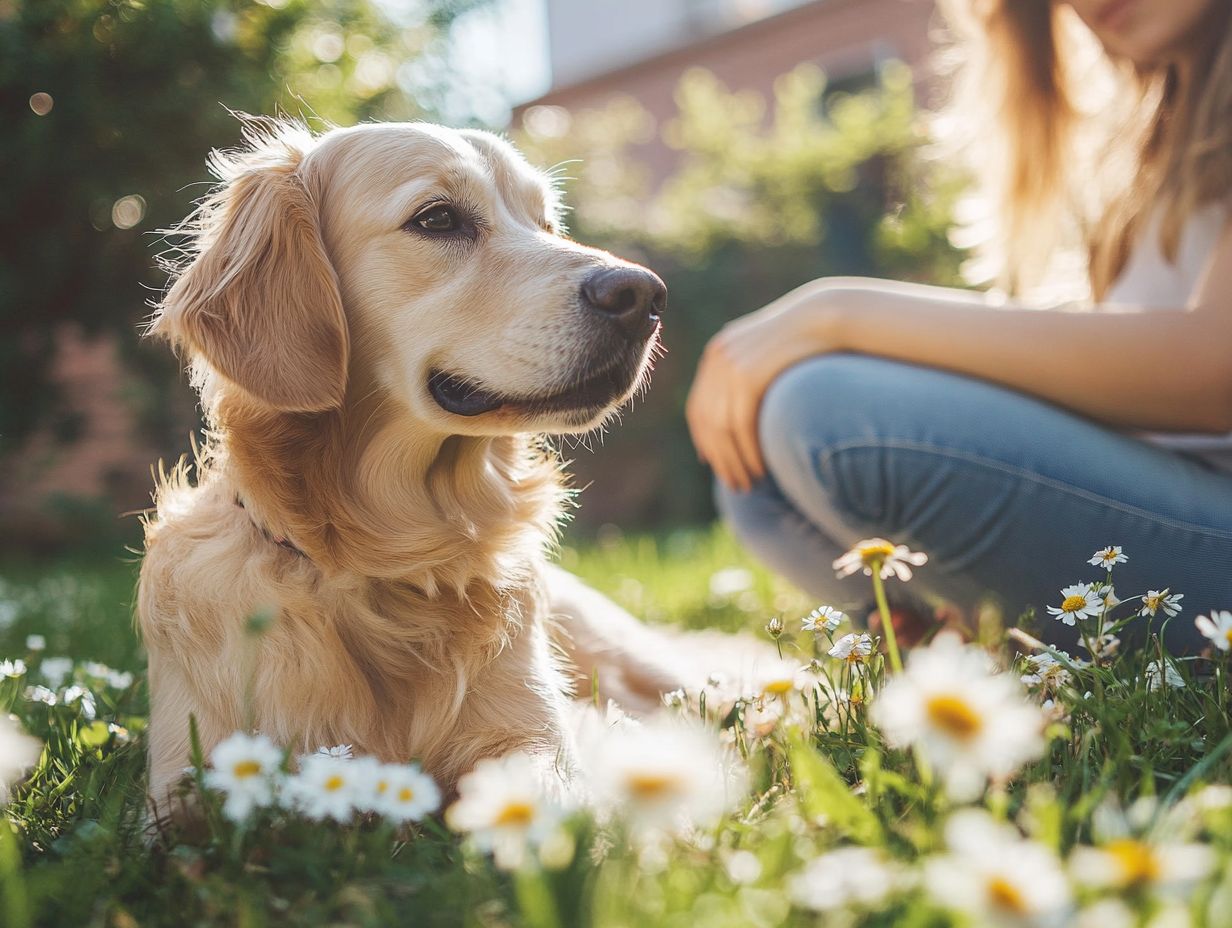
pixel 834 399
pixel 821 408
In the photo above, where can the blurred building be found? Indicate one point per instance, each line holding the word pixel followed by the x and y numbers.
pixel 640 48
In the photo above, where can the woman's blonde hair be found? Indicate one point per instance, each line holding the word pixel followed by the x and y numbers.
pixel 1024 67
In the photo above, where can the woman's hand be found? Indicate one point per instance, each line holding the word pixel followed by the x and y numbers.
pixel 736 368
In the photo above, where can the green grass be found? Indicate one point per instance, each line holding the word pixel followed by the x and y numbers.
pixel 74 852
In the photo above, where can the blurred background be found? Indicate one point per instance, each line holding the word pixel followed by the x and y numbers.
pixel 738 147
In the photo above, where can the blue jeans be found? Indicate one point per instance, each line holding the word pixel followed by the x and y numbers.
pixel 1009 496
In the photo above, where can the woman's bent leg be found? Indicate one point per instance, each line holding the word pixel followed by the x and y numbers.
pixel 778 534
pixel 1008 495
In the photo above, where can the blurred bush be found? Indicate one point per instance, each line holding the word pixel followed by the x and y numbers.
pixel 107 111
pixel 763 197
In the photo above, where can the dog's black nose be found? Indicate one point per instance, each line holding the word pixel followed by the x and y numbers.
pixel 632 297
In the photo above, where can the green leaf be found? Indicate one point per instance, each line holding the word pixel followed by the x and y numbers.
pixel 94 735
pixel 824 794
pixel 535 900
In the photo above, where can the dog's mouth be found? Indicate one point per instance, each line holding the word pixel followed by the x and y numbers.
pixel 465 396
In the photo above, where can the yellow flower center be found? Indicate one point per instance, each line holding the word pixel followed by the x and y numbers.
pixel 382 786
pixel 1138 865
pixel 406 794
pixel 874 554
pixel 1154 602
pixel 245 769
pixel 1228 635
pixel 1073 603
pixel 779 687
pixel 953 715
pixel 1005 896
pixel 333 784
pixel 649 786
pixel 518 814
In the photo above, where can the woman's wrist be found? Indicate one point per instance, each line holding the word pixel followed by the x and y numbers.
pixel 820 317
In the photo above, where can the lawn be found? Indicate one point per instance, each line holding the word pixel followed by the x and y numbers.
pixel 1054 792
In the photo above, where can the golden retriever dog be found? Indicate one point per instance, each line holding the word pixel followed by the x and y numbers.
pixel 382 322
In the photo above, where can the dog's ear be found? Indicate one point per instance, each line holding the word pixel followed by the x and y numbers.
pixel 260 301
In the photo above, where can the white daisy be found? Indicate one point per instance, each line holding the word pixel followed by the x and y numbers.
pixel 412 794
pixel 852 648
pixel 1155 600
pixel 502 807
pixel 676 699
pixel 967 722
pixel 326 787
pixel 824 619
pixel 1108 557
pixel 781 678
pixel 1045 671
pixel 43 694
pixel 1131 863
pixel 18 751
pixel 857 877
pixel 1170 675
pixel 10 668
pixel 36 643
pixel 114 678
pixel 665 776
pixel 892 560
pixel 55 670
pixel 1079 601
pixel 246 769
pixel 1107 594
pixel 398 792
pixel 338 751
pixel 1218 628
pixel 995 876
pixel 1106 646
pixel 762 716
pixel 84 699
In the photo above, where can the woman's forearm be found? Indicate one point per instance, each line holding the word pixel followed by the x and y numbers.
pixel 1168 370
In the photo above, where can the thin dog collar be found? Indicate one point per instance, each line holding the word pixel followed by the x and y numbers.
pixel 279 540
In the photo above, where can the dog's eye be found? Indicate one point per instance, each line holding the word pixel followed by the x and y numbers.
pixel 437 218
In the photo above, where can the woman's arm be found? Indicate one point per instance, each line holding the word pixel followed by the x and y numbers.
pixel 1129 367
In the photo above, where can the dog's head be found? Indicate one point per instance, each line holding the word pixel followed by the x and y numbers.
pixel 433 259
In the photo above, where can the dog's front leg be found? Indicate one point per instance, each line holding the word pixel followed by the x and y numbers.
pixel 519 702
pixel 172 705
pixel 632 664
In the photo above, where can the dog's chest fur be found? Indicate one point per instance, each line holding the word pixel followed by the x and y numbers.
pixel 266 640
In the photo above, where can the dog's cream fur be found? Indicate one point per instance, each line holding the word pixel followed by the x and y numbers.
pixel 410 617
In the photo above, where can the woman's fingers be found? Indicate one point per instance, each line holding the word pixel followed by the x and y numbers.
pixel 728 467
pixel 742 428
pixel 721 413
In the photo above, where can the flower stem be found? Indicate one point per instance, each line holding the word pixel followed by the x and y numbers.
pixel 887 624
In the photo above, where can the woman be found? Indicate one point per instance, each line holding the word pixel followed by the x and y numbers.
pixel 1010 443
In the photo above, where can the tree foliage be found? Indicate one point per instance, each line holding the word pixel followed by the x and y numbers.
pixel 133 94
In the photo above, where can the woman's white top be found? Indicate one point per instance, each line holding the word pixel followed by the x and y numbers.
pixel 1153 282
